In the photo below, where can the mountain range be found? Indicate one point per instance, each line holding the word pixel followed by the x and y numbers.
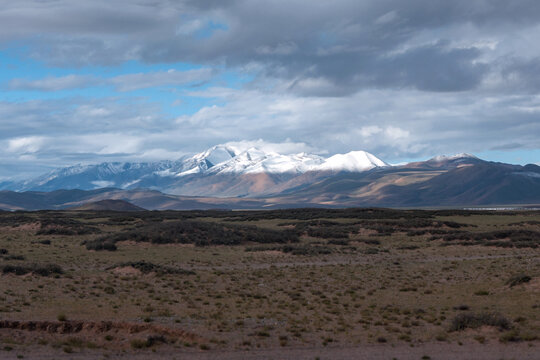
pixel 228 177
pixel 219 171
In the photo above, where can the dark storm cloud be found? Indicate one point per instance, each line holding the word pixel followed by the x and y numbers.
pixel 522 74
pixel 345 45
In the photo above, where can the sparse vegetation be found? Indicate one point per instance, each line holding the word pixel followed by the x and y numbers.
pixel 320 278
pixel 146 268
pixel 42 270
pixel 475 320
pixel 518 279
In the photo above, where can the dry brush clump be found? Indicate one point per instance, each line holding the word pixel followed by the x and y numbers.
pixel 147 267
pixel 42 270
pixel 471 320
pixel 304 249
pixel 518 279
pixel 518 238
pixel 199 233
pixel 54 224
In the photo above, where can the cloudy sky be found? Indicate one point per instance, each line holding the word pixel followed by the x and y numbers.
pixel 140 80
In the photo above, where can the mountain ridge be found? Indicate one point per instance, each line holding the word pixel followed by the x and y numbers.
pixel 228 178
pixel 171 176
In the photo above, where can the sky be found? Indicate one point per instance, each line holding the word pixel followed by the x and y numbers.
pixel 145 80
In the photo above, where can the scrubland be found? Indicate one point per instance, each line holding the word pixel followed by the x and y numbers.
pixel 303 283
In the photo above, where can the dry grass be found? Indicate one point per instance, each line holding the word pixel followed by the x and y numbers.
pixel 365 289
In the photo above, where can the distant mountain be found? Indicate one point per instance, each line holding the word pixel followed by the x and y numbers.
pixel 219 171
pixel 108 205
pixel 228 178
pixel 441 181
pixel 147 199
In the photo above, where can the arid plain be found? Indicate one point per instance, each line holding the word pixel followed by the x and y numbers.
pixel 302 283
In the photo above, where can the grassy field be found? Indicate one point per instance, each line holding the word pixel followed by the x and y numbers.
pixel 209 282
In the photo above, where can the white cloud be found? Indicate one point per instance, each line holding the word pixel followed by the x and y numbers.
pixel 187 27
pixel 25 145
pixel 396 133
pixel 387 18
pixel 127 82
pixel 55 83
pixel 367 131
pixel 132 82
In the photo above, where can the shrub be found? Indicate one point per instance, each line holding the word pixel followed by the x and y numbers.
pixel 481 293
pixel 516 336
pixel 518 279
pixel 475 320
pixel 99 245
pixel 341 242
pixel 498 238
pixel 147 267
pixel 14 257
pixel 43 270
pixel 199 233
pixel 138 344
pixel 149 342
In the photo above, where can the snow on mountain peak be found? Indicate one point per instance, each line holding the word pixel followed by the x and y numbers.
pixel 220 159
pixel 225 159
pixel 216 155
pixel 354 161
pixel 254 160
pixel 441 158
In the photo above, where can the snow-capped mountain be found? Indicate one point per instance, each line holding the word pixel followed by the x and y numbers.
pixel 248 178
pixel 453 157
pixel 354 161
pixel 222 159
pixel 86 177
pixel 254 160
pixel 226 165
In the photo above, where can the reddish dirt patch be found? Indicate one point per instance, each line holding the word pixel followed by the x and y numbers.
pixel 126 271
pixel 366 232
pixel 148 244
pixel 272 252
pixel 533 285
pixel 120 333
pixel 24 227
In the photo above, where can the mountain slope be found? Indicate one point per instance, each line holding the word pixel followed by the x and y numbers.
pixel 463 183
pixel 228 177
pixel 218 171
pixel 481 184
pixel 108 205
pixel 456 182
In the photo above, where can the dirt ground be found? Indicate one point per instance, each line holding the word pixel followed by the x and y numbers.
pixel 365 352
pixel 368 294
